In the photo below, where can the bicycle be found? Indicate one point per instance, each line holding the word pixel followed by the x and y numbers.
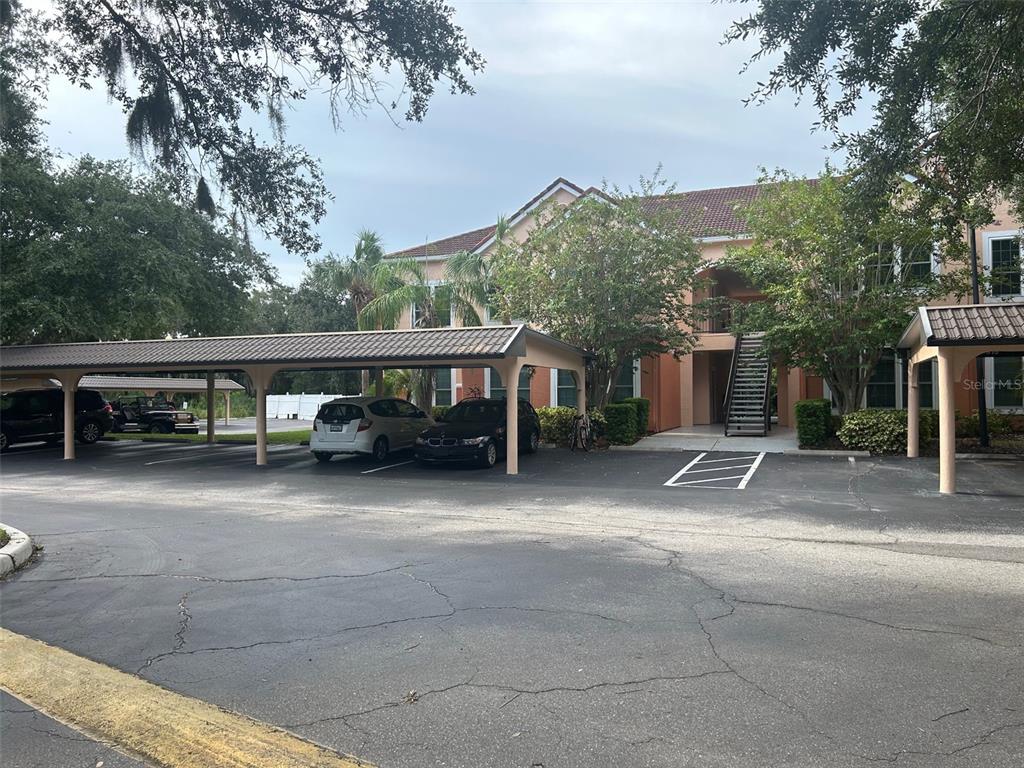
pixel 581 435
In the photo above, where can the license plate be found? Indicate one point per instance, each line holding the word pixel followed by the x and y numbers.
pixel 337 428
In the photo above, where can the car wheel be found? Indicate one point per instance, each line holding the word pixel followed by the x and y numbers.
pixel 380 448
pixel 156 428
pixel 89 432
pixel 5 441
pixel 490 455
pixel 322 456
pixel 534 442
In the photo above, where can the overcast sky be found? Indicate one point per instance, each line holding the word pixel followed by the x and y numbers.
pixel 584 90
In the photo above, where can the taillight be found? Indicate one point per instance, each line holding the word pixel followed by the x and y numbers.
pixel 315 422
pixel 364 424
pixel 108 408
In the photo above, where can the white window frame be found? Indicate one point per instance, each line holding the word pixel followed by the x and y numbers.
pixel 432 284
pixel 986 257
pixel 990 392
pixel 454 388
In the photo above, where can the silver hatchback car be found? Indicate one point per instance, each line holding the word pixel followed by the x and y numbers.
pixel 374 426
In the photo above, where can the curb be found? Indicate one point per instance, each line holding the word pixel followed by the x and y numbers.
pixel 824 452
pixel 15 552
pixel 991 456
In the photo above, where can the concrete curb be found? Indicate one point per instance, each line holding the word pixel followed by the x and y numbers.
pixel 16 552
pixel 824 452
pixel 991 456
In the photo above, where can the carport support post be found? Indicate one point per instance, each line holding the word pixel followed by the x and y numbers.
pixel 211 408
pixel 913 411
pixel 227 407
pixel 947 423
pixel 69 383
pixel 580 374
pixel 510 376
pixel 261 378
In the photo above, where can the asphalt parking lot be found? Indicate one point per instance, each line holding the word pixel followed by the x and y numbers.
pixel 829 612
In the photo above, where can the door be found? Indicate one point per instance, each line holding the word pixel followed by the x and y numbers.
pixel 339 422
pixel 387 422
pixel 28 414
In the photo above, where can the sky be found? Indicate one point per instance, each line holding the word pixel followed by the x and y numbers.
pixel 591 91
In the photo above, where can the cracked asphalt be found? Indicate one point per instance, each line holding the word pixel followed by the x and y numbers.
pixel 581 614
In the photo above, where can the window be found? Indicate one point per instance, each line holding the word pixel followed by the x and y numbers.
pixel 498 388
pixel 442 300
pixel 1004 255
pixel 880 265
pixel 1008 382
pixel 405 409
pixel 384 408
pixel 624 385
pixel 443 387
pixel 881 388
pixel 565 389
pixel 925 381
pixel 339 412
pixel 917 261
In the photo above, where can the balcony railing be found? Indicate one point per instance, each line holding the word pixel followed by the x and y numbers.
pixel 715 319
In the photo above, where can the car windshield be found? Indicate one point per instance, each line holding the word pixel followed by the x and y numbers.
pixel 476 411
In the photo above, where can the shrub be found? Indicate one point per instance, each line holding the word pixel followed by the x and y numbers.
pixel 621 419
pixel 555 423
pixel 999 424
pixel 813 422
pixel 643 412
pixel 438 412
pixel 877 431
pixel 598 423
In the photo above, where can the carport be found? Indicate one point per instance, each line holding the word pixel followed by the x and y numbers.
pixel 507 348
pixel 955 335
pixel 170 386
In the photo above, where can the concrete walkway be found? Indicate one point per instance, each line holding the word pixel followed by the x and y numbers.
pixel 709 437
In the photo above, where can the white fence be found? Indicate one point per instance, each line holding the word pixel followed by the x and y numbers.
pixel 301 406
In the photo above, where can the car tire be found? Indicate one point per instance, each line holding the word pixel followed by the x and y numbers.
pixel 156 428
pixel 490 455
pixel 89 432
pixel 5 440
pixel 533 444
pixel 323 456
pixel 380 448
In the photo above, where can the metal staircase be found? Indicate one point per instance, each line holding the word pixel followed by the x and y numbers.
pixel 747 410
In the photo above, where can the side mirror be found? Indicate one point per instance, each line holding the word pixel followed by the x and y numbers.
pixel 420 415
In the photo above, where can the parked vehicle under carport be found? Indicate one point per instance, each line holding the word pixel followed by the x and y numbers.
pixel 373 426
pixel 154 415
pixel 29 415
pixel 474 431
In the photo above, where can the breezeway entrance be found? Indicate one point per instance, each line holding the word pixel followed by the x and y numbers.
pixel 506 348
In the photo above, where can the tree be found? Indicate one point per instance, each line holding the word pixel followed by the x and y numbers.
pixel 93 252
pixel 607 274
pixel 841 280
pixel 192 74
pixel 946 78
pixel 402 285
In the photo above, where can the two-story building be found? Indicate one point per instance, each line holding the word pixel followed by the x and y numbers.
pixel 692 390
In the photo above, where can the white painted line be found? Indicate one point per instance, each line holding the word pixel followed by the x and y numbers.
pixel 750 472
pixel 389 466
pixel 681 472
pixel 710 480
pixel 718 469
pixel 731 458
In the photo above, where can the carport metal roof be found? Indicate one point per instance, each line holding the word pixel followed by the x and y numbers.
pixel 344 349
pixel 158 383
pixel 956 335
pixel 508 348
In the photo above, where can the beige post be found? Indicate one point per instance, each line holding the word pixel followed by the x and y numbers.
pixel 211 408
pixel 580 374
pixel 227 407
pixel 69 383
pixel 261 378
pixel 947 422
pixel 913 411
pixel 510 376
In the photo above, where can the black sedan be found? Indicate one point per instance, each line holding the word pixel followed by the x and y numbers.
pixel 475 430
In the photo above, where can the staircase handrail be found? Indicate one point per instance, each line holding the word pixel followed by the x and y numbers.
pixel 732 378
pixel 767 395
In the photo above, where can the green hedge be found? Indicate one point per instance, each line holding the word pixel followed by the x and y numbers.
pixel 875 430
pixel 643 412
pixel 622 420
pixel 999 425
pixel 555 423
pixel 438 412
pixel 813 422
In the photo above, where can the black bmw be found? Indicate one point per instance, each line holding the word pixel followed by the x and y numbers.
pixel 475 430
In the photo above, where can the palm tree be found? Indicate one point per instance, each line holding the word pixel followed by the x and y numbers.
pixel 354 276
pixel 471 275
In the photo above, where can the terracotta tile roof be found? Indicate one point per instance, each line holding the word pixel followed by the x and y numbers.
pixel 708 212
pixel 236 351
pixel 972 324
pixel 448 245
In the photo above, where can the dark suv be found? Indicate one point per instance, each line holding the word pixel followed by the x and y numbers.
pixel 30 415
pixel 474 430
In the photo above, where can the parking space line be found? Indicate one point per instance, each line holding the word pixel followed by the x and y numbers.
pixel 389 466
pixel 681 472
pixel 750 472
pixel 695 466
